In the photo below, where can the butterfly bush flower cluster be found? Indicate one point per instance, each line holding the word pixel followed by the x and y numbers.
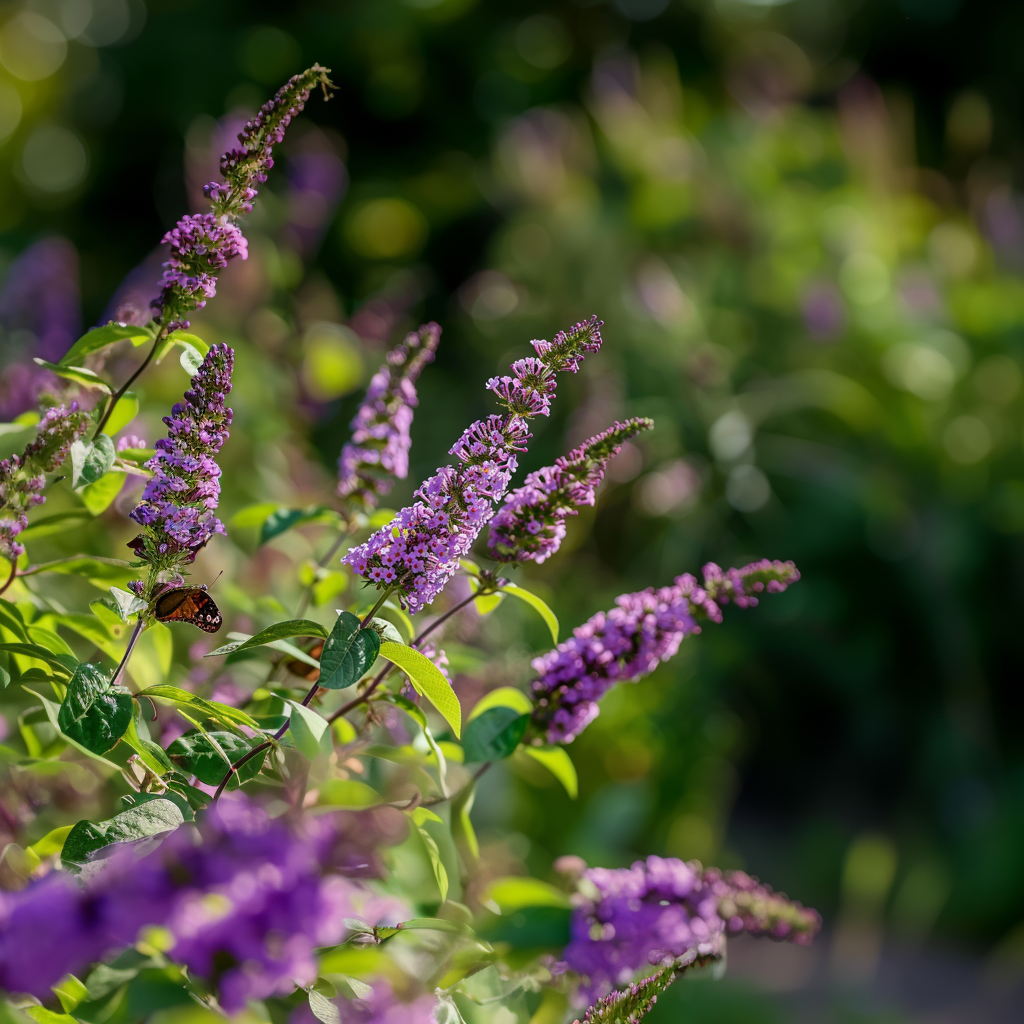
pixel 663 909
pixel 203 243
pixel 23 477
pixel 378 453
pixel 245 908
pixel 178 505
pixel 630 641
pixel 530 526
pixel 418 552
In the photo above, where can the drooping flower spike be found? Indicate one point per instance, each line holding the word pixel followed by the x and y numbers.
pixel 530 526
pixel 378 453
pixel 23 477
pixel 418 552
pixel 179 503
pixel 203 243
pixel 630 641
pixel 663 911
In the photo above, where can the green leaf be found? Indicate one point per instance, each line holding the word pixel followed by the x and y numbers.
pixel 279 631
pixel 5 678
pixel 41 1015
pixel 90 627
pixel 462 826
pixel 514 892
pixel 144 821
pixel 100 494
pixel 51 710
pixel 151 754
pixel 125 411
pixel 310 731
pixel 503 697
pixel 282 519
pixel 323 1008
pixel 348 652
pixel 428 680
pixel 222 713
pixel 79 374
pixel 251 516
pixel 196 753
pixel 387 631
pixel 101 337
pixel 347 793
pixel 93 713
pixel 486 603
pixel 128 604
pixel 99 571
pixel 494 734
pixel 440 875
pixel 57 523
pixel 70 991
pixel 558 762
pixel 537 604
pixel 52 842
pixel 61 664
pixel 91 459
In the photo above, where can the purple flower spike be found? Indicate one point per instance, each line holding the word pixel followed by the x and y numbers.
pixel 378 453
pixel 530 526
pixel 418 552
pixel 23 477
pixel 178 505
pixel 665 912
pixel 631 640
pixel 202 244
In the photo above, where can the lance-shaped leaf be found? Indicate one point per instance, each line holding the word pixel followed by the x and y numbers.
pixel 101 337
pixel 310 731
pixel 434 855
pixel 558 762
pixel 279 631
pixel 495 734
pixel 62 664
pixel 428 680
pixel 208 756
pixel 537 604
pixel 222 713
pixel 93 712
pixel 79 374
pixel 348 652
pixel 144 821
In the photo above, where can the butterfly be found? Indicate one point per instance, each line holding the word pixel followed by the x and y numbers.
pixel 189 604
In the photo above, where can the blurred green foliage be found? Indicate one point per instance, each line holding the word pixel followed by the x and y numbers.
pixel 803 234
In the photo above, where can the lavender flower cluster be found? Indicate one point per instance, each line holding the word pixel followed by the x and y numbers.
pixel 245 908
pixel 663 909
pixel 177 506
pixel 378 453
pixel 23 477
pixel 202 244
pixel 530 526
pixel 418 552
pixel 631 640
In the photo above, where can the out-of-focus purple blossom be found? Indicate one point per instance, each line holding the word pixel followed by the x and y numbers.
pixel 129 441
pixel 202 244
pixel 631 640
pixel 437 655
pixel 178 504
pixel 823 311
pixel 418 552
pixel 378 453
pixel 376 318
pixel 663 909
pixel 23 477
pixel 245 907
pixel 40 315
pixel 530 526
pixel 316 183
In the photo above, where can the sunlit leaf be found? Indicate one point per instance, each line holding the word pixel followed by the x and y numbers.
pixel 197 753
pixel 434 855
pixel 90 460
pixel 279 631
pixel 222 713
pixel 125 411
pixel 347 793
pixel 145 821
pixel 537 604
pixel 558 762
pixel 503 696
pixel 514 892
pixel 428 680
pixel 310 731
pixel 79 374
pixel 101 337
pixel 94 713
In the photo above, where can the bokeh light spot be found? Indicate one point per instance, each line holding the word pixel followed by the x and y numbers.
pixel 10 109
pixel 386 229
pixel 54 159
pixel 747 489
pixel 268 54
pixel 31 47
pixel 542 42
pixel 332 365
pixel 998 379
pixel 967 440
pixel 864 278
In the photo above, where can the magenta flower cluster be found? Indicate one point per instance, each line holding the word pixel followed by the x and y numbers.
pixel 418 552
pixel 378 453
pixel 23 477
pixel 530 526
pixel 630 641
pixel 179 502
pixel 202 244
pixel 245 908
pixel 662 910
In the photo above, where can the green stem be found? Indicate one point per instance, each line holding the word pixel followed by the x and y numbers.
pixel 10 578
pixel 373 611
pixel 455 796
pixel 307 594
pixel 120 393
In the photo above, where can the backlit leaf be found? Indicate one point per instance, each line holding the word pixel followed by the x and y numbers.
pixel 428 680
pixel 558 762
pixel 279 631
pixel 90 460
pixel 310 731
pixel 222 713
pixel 125 411
pixel 101 337
pixel 537 604
pixel 79 374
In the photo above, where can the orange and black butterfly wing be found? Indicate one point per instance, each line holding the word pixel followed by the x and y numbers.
pixel 189 604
